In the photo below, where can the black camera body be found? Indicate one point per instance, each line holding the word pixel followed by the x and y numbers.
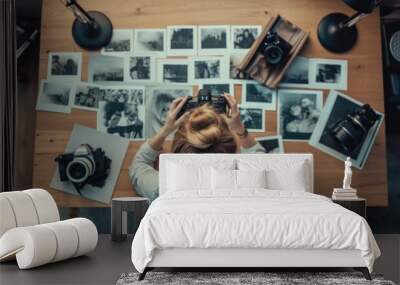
pixel 205 96
pixel 275 49
pixel 84 166
pixel 351 131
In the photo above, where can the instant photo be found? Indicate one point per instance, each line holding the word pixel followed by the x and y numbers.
pixel 213 40
pixel 219 88
pixel 271 144
pixel 140 69
pixel 243 37
pixel 176 71
pixel 54 96
pixel 235 74
pixel 328 73
pixel 149 42
pixel 257 95
pixel 252 119
pixel 181 40
pixel 64 66
pixel 298 113
pixel 297 75
pixel 209 69
pixel 105 68
pixel 87 96
pixel 121 42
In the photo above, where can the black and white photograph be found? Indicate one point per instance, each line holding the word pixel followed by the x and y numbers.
pixel 105 68
pixel 176 71
pixel 271 144
pixel 234 74
pixel 328 73
pixel 86 96
pixel 181 40
pixel 243 37
pixel 213 40
pixel 210 69
pixel 149 42
pixel 64 66
pixel 257 95
pixel 219 88
pixel 297 75
pixel 121 43
pixel 54 96
pixel 336 131
pixel 140 69
pixel 298 113
pixel 122 112
pixel 252 118
pixel 159 99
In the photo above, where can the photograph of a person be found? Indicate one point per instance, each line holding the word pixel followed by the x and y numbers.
pixel 298 113
pixel 209 69
pixel 121 42
pixel 252 118
pixel 86 96
pixel 243 37
pixel 140 69
pixel 328 73
pixel 54 96
pixel 181 40
pixel 297 75
pixel 213 40
pixel 64 65
pixel 271 144
pixel 149 42
pixel 256 94
pixel 105 68
pixel 235 74
pixel 176 71
pixel 219 88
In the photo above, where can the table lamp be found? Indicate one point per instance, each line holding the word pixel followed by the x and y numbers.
pixel 337 31
pixel 91 30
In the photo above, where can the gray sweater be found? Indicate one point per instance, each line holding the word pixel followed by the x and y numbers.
pixel 144 176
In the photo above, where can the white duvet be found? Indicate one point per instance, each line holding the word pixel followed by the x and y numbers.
pixel 250 219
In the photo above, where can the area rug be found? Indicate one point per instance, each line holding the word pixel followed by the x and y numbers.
pixel 244 278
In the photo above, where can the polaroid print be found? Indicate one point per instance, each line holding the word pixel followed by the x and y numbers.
pixel 328 73
pixel 122 112
pixel 219 88
pixel 54 96
pixel 140 69
pixel 149 42
pixel 243 37
pixel 86 96
pixel 175 71
pixel 64 66
pixel 297 75
pixel 121 43
pixel 252 118
pixel 337 107
pixel 257 95
pixel 271 144
pixel 105 69
pixel 159 99
pixel 234 74
pixel 298 113
pixel 181 40
pixel 213 40
pixel 209 69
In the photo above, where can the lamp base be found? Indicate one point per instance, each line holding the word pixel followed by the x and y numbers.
pixel 333 36
pixel 93 39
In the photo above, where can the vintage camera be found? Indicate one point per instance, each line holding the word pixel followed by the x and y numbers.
pixel 84 166
pixel 205 96
pixel 274 49
pixel 351 131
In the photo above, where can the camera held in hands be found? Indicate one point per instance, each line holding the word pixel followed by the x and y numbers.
pixel 275 49
pixel 84 166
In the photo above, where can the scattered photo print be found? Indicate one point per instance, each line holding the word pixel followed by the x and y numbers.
pixel 87 96
pixel 297 75
pixel 271 144
pixel 121 42
pixel 219 88
pixel 140 69
pixel 234 73
pixel 122 112
pixel 328 73
pixel 105 68
pixel 209 69
pixel 252 119
pixel 65 65
pixel 54 96
pixel 256 94
pixel 213 40
pixel 149 42
pixel 181 40
pixel 176 71
pixel 298 113
pixel 243 37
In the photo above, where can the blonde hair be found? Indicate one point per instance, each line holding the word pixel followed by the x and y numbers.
pixel 204 131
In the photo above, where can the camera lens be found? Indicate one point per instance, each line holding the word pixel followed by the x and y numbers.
pixel 79 169
pixel 273 54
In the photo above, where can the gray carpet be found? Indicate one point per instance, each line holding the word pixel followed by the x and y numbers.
pixel 243 278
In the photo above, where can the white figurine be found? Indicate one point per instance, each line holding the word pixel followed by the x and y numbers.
pixel 347 174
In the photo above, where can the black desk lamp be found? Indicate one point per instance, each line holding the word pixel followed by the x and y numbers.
pixel 91 30
pixel 337 31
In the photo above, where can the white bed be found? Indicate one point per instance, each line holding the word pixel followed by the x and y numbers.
pixel 248 227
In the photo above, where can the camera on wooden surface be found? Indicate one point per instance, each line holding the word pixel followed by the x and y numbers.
pixel 275 49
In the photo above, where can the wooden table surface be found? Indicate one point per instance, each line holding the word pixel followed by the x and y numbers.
pixel 365 81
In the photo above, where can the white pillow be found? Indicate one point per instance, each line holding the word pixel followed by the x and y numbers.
pixel 184 177
pixel 251 178
pixel 223 179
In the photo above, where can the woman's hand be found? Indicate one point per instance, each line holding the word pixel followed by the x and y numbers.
pixel 234 121
pixel 171 121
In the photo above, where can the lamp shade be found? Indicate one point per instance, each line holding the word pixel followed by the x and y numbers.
pixel 362 6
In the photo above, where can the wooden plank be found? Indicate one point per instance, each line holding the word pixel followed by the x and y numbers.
pixel 365 80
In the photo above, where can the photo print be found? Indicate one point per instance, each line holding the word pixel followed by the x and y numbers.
pixel 122 112
pixel 210 69
pixel 54 96
pixel 235 74
pixel 271 144
pixel 121 42
pixel 297 75
pixel 149 42
pixel 176 71
pixel 140 69
pixel 252 118
pixel 181 40
pixel 105 68
pixel 219 88
pixel 87 96
pixel 257 95
pixel 64 66
pixel 159 99
pixel 328 73
pixel 337 107
pixel 243 37
pixel 298 113
pixel 213 40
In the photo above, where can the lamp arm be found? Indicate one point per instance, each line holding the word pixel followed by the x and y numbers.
pixel 78 11
pixel 354 19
